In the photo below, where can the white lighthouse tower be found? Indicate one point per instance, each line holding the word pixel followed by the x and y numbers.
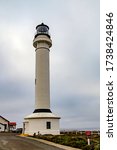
pixel 42 120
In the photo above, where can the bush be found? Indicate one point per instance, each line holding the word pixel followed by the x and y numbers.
pixel 97 147
pixel 77 141
pixel 87 147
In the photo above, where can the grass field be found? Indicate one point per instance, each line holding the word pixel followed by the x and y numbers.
pixel 74 139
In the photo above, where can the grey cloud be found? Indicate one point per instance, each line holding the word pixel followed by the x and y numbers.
pixel 74 59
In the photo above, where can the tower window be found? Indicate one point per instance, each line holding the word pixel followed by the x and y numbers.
pixel 48 125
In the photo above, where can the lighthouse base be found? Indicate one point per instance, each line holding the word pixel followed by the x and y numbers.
pixel 41 123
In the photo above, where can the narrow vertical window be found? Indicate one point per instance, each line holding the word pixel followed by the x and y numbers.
pixel 48 125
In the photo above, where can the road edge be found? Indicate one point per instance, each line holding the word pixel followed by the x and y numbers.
pixel 51 143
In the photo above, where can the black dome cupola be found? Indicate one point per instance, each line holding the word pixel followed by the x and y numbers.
pixel 42 29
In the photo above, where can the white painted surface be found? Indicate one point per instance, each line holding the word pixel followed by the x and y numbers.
pixel 4 122
pixel 1 127
pixel 88 140
pixel 42 84
pixel 37 124
pixel 41 115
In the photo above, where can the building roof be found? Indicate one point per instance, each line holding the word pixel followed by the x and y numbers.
pixel 4 118
pixel 41 115
pixel 12 123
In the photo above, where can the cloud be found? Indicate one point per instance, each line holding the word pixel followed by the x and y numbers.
pixel 74 59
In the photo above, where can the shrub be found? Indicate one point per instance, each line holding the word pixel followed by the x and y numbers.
pixel 87 147
pixel 77 141
pixel 97 147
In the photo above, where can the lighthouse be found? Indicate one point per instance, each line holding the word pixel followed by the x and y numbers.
pixel 42 120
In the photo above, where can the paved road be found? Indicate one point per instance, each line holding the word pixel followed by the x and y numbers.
pixel 12 142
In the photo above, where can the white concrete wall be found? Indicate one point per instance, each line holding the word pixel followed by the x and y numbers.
pixel 42 43
pixel 1 127
pixel 26 127
pixel 39 125
pixel 4 122
pixel 42 86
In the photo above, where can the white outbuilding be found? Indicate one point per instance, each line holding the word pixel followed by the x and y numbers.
pixel 4 124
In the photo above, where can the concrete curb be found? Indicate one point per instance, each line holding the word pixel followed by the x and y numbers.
pixel 52 144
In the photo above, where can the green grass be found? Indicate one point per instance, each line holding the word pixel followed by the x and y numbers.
pixel 74 140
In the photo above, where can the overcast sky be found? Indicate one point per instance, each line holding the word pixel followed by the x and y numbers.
pixel 74 59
